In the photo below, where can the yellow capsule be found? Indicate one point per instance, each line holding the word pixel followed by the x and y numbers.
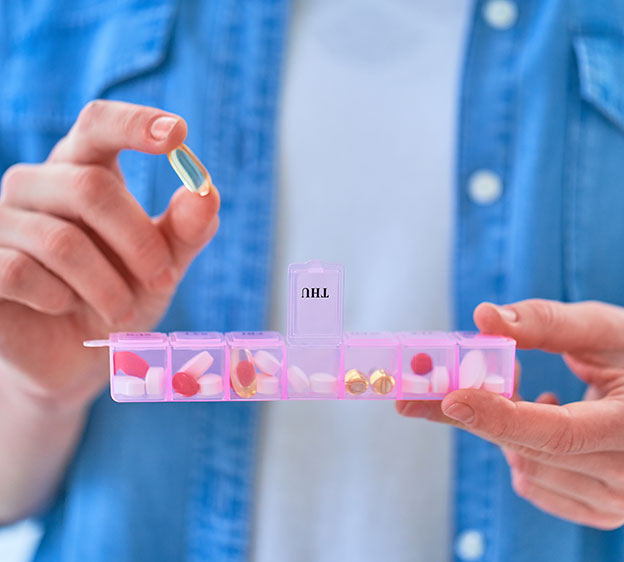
pixel 381 382
pixel 190 170
pixel 355 382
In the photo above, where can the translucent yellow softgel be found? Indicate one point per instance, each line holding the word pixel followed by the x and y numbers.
pixel 355 382
pixel 381 382
pixel 190 170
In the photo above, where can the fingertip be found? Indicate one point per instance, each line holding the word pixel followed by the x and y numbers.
pixel 494 319
pixel 168 131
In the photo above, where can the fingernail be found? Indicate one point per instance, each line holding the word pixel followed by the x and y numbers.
pixel 507 314
pixel 460 412
pixel 162 127
pixel 163 280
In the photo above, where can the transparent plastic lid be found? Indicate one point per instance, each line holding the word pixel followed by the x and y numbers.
pixel 315 302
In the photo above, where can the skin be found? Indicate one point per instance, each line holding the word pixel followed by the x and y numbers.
pixel 565 459
pixel 80 258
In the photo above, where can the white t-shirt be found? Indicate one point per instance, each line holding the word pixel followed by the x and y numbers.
pixel 367 137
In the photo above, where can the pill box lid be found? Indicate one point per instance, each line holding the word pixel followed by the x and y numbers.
pixel 315 302
pixel 428 338
pixel 196 340
pixel 254 339
pixel 132 340
pixel 478 340
pixel 370 338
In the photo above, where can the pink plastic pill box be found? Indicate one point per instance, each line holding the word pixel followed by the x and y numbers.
pixel 317 361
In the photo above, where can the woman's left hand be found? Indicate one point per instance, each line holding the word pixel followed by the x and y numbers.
pixel 567 460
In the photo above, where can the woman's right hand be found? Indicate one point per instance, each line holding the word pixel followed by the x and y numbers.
pixel 80 258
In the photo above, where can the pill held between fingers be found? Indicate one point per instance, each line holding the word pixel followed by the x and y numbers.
pixel 415 384
pixel 323 383
pixel 440 380
pixel 210 384
pixel 128 385
pixel 266 362
pixel 421 363
pixel 494 383
pixel 197 365
pixel 472 369
pixel 190 170
pixel 130 363
pixel 297 379
pixel 185 384
pixel 155 381
pixel 268 384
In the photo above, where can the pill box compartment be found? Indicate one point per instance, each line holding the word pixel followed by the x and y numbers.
pixel 314 371
pixel 371 365
pixel 198 366
pixel 138 365
pixel 486 362
pixel 429 361
pixel 256 365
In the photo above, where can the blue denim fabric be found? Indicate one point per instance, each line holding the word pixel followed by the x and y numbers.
pixel 542 106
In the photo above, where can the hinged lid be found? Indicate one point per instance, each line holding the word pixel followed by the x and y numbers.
pixel 315 306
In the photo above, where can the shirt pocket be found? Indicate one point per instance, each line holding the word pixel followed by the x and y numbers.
pixel 65 54
pixel 594 202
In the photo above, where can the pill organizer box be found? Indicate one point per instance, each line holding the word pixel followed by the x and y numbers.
pixel 316 360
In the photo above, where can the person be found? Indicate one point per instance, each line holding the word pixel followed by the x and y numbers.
pixel 537 214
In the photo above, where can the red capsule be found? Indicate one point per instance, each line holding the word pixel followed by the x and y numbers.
pixel 246 373
pixel 421 363
pixel 185 384
pixel 130 363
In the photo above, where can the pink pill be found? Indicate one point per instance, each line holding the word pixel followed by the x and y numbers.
pixel 185 384
pixel 472 369
pixel 268 384
pixel 440 380
pixel 130 363
pixel 210 384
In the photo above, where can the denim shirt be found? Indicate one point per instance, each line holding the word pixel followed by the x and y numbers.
pixel 542 108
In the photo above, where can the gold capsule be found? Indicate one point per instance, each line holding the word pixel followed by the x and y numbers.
pixel 243 378
pixel 190 170
pixel 355 382
pixel 381 382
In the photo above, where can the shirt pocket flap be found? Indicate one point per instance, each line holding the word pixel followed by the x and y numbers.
pixel 601 73
pixel 53 68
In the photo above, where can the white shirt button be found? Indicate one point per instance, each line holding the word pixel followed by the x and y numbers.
pixel 485 187
pixel 470 545
pixel 500 14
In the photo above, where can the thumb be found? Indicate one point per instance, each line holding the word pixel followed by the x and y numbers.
pixel 554 326
pixel 188 224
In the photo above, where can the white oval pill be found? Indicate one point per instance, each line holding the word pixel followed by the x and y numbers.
pixel 197 365
pixel 472 369
pixel 415 384
pixel 494 383
pixel 155 381
pixel 266 362
pixel 128 386
pixel 440 380
pixel 297 379
pixel 210 384
pixel 323 383
pixel 268 384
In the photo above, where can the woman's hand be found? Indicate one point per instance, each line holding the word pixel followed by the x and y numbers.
pixel 567 460
pixel 80 258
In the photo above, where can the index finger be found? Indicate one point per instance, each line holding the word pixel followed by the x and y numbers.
pixel 104 128
pixel 555 326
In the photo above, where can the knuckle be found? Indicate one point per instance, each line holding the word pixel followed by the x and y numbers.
pixel 63 242
pixel 13 179
pixel 133 121
pixel 93 185
pixel 566 439
pixel 521 484
pixel 91 113
pixel 14 271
